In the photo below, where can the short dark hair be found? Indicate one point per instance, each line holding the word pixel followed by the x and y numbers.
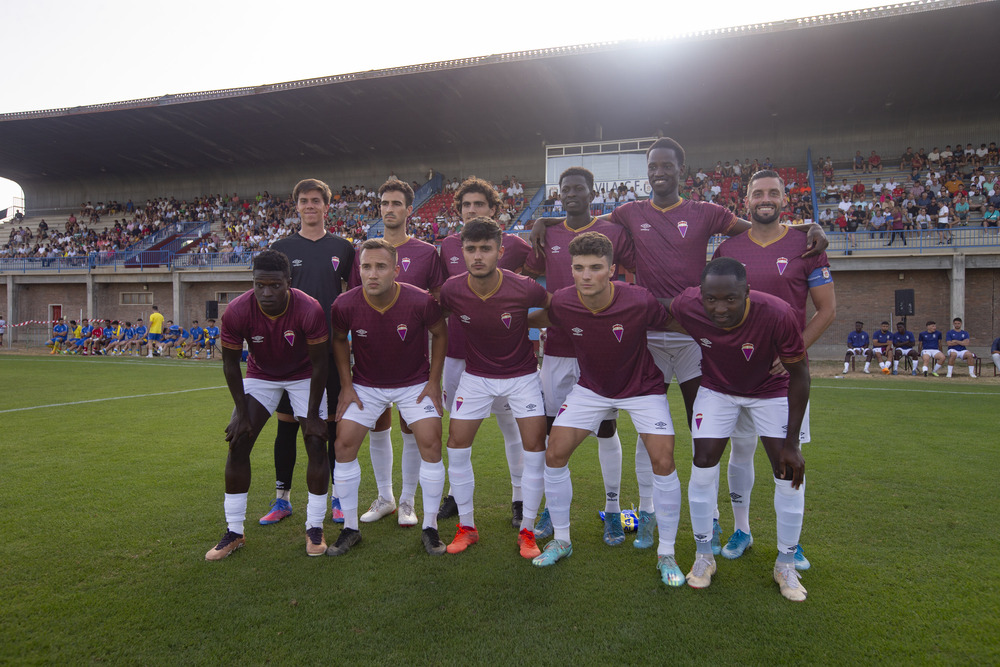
pixel 725 266
pixel 930 322
pixel 579 171
pixel 271 260
pixel 883 322
pixel 378 244
pixel 765 173
pixel 481 186
pixel 900 324
pixel 397 186
pixel 957 319
pixel 667 142
pixel 858 322
pixel 310 184
pixel 592 243
pixel 482 229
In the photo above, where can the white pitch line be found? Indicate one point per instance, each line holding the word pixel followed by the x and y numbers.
pixel 912 391
pixel 114 398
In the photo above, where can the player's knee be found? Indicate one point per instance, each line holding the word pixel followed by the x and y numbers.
pixel 315 447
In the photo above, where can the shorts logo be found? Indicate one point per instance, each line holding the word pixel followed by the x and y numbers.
pixel 747 350
pixel 336 262
pixel 698 419
pixel 290 337
pixel 561 410
pixel 782 262
pixel 530 406
pixel 505 318
pixel 577 331
pixel 428 408
pixel 257 339
pixel 458 403
pixel 645 227
pixel 296 262
pixel 405 263
pixel 661 425
pixel 706 342
pixel 682 227
pixel 618 330
pixel 362 333
pixel 555 249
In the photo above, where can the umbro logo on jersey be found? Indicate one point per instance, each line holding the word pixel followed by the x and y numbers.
pixel 453 260
pixel 555 249
pixel 296 262
pixel 706 342
pixel 362 333
pixel 577 331
pixel 465 318
pixel 645 227
pixel 782 263
pixel 257 339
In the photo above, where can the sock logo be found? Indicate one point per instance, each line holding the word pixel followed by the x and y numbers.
pixel 682 227
pixel 747 350
pixel 336 262
pixel 735 497
pixel 612 495
pixel 401 330
pixel 505 318
pixel 618 330
pixel 290 337
pixel 405 263
pixel 697 419
pixel 782 262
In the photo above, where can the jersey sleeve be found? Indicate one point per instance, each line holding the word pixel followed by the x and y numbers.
pixel 314 323
pixel 624 250
pixel 338 316
pixel 432 311
pixel 517 253
pixel 791 347
pixel 722 219
pixel 536 294
pixel 436 273
pixel 536 263
pixel 232 336
pixel 556 309
pixel 355 278
pixel 657 316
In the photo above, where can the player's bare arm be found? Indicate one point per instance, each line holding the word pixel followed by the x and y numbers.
pixel 824 299
pixel 439 348
pixel 342 359
pixel 239 424
pixel 790 461
pixel 313 426
pixel 537 236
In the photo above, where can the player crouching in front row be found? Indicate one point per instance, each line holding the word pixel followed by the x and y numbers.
pixel 389 322
pixel 609 322
pixel 287 336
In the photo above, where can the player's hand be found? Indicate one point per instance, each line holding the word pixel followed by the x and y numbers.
pixel 347 396
pixel 790 463
pixel 537 237
pixel 239 426
pixel 816 241
pixel 777 368
pixel 432 390
pixel 314 427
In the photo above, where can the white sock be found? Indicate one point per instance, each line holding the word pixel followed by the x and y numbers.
pixel 347 481
pixel 514 450
pixel 380 447
pixel 609 453
pixel 925 369
pixel 846 366
pixel 937 367
pixel 700 503
pixel 741 475
pixel 463 483
pixel 315 510
pixel 431 486
pixel 996 360
pixel 667 502
pixel 972 370
pixel 895 365
pixel 789 505
pixel 644 476
pixel 868 365
pixel 235 506
pixel 950 370
pixel 559 497
pixel 533 486
pixel 411 469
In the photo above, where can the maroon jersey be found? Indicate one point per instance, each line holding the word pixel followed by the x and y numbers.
pixel 610 344
pixel 778 267
pixel 556 265
pixel 389 344
pixel 495 325
pixel 738 361
pixel 278 345
pixel 419 264
pixel 515 250
pixel 671 243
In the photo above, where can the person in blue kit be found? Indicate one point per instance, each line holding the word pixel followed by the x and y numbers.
pixel 857 346
pixel 957 341
pixel 59 333
pixel 211 335
pixel 903 345
pixel 197 341
pixel 995 352
pixel 881 349
pixel 930 348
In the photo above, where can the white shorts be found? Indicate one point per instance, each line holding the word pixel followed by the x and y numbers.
pixel 716 414
pixel 930 353
pixel 559 376
pixel 880 349
pixel 585 409
pixel 857 351
pixel 904 350
pixel 960 354
pixel 376 400
pixel 745 428
pixel 676 355
pixel 475 396
pixel 268 393
pixel 453 369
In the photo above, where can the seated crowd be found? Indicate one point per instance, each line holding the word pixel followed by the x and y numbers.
pixel 120 338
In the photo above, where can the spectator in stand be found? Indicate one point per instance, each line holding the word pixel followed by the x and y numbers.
pixel 826 219
pixel 897 223
pixel 858 164
pixel 878 187
pixel 961 206
pixel 856 220
pixel 877 222
pixel 906 160
pixel 954 184
pixel 947 157
pixel 991 218
pixel 934 158
pixel 943 220
pixel 845 188
pixel 858 188
pixel 977 201
pixel 874 163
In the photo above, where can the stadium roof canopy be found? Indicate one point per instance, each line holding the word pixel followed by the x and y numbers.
pixel 895 60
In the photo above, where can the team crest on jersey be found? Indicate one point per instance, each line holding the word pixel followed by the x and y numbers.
pixel 290 337
pixel 617 330
pixel 577 331
pixel 645 227
pixel 458 403
pixel 362 333
pixel 782 262
pixel 747 350
pixel 257 339
pixel 405 263
pixel 706 342
pixel 555 249
pixel 336 262
pixel 505 318
pixel 682 227
pixel 698 419
pixel 401 330
pixel 561 410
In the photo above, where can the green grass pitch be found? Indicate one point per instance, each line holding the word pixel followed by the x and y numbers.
pixel 108 507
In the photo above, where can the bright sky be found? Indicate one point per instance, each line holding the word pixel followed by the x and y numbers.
pixel 62 53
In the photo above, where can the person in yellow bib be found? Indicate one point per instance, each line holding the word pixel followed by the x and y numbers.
pixel 155 330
